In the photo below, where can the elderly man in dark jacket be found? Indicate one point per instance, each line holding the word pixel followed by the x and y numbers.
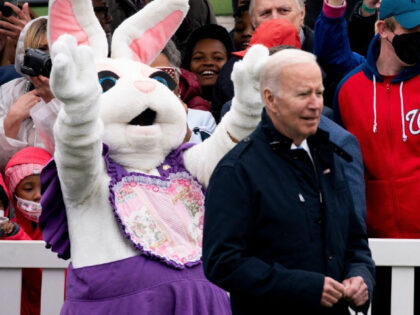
pixel 280 230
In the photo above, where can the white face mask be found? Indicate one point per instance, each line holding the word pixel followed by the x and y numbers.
pixel 31 210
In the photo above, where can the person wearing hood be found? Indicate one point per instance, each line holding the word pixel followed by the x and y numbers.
pixel 23 181
pixel 28 108
pixel 378 102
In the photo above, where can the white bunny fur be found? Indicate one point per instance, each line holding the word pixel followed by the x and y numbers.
pixel 89 118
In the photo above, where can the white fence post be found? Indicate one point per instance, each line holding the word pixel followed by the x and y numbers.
pixel 10 290
pixel 402 292
pixel 402 255
pixel 15 255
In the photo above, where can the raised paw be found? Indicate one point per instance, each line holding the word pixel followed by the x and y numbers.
pixel 246 74
pixel 73 75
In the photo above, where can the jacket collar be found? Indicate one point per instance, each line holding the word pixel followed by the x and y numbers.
pixel 371 70
pixel 280 141
pixel 319 144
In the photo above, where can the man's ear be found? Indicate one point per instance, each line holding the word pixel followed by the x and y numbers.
pixel 268 100
pixel 382 29
pixel 302 15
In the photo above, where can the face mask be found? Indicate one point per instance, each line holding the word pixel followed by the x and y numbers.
pixel 407 47
pixel 31 210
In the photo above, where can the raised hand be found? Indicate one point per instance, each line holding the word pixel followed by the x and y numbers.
pixel 73 79
pixel 246 76
pixel 12 26
pixel 372 3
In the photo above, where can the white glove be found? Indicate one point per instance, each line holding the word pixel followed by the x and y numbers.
pixel 245 112
pixel 74 80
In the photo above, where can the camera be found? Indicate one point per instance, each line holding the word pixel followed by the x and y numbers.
pixel 36 62
pixel 5 10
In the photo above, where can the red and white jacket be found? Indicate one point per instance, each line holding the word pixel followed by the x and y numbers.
pixel 384 115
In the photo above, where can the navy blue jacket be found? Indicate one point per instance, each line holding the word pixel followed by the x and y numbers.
pixel 353 169
pixel 268 239
pixel 8 73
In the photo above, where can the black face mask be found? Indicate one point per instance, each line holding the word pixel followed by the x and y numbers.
pixel 407 47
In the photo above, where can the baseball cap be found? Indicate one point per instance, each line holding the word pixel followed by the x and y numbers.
pixel 406 12
pixel 273 33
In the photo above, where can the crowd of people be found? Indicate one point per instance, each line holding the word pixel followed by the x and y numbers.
pixel 334 160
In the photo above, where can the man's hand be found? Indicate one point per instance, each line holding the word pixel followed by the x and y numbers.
pixel 332 292
pixel 372 3
pixel 355 291
pixel 42 87
pixel 12 26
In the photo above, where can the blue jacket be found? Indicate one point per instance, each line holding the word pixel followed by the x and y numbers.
pixel 353 169
pixel 8 73
pixel 332 46
pixel 268 239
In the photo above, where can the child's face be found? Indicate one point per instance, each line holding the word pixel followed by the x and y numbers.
pixel 29 188
pixel 242 32
pixel 208 57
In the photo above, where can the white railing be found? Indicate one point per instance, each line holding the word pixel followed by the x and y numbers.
pixel 15 255
pixel 401 254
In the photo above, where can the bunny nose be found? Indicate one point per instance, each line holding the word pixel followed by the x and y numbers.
pixel 145 86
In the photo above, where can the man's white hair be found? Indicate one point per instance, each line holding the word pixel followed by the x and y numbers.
pixel 271 71
pixel 300 4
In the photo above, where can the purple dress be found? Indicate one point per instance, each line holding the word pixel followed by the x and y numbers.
pixel 158 280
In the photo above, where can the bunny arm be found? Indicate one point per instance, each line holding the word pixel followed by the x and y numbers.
pixel 78 127
pixel 239 122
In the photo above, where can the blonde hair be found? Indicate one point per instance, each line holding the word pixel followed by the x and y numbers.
pixel 35 34
pixel 390 23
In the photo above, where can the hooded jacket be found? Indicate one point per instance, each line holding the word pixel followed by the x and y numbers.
pixel 384 114
pixel 35 130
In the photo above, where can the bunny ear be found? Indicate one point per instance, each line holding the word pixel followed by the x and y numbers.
pixel 77 18
pixel 143 36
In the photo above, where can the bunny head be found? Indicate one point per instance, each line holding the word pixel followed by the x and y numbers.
pixel 143 119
